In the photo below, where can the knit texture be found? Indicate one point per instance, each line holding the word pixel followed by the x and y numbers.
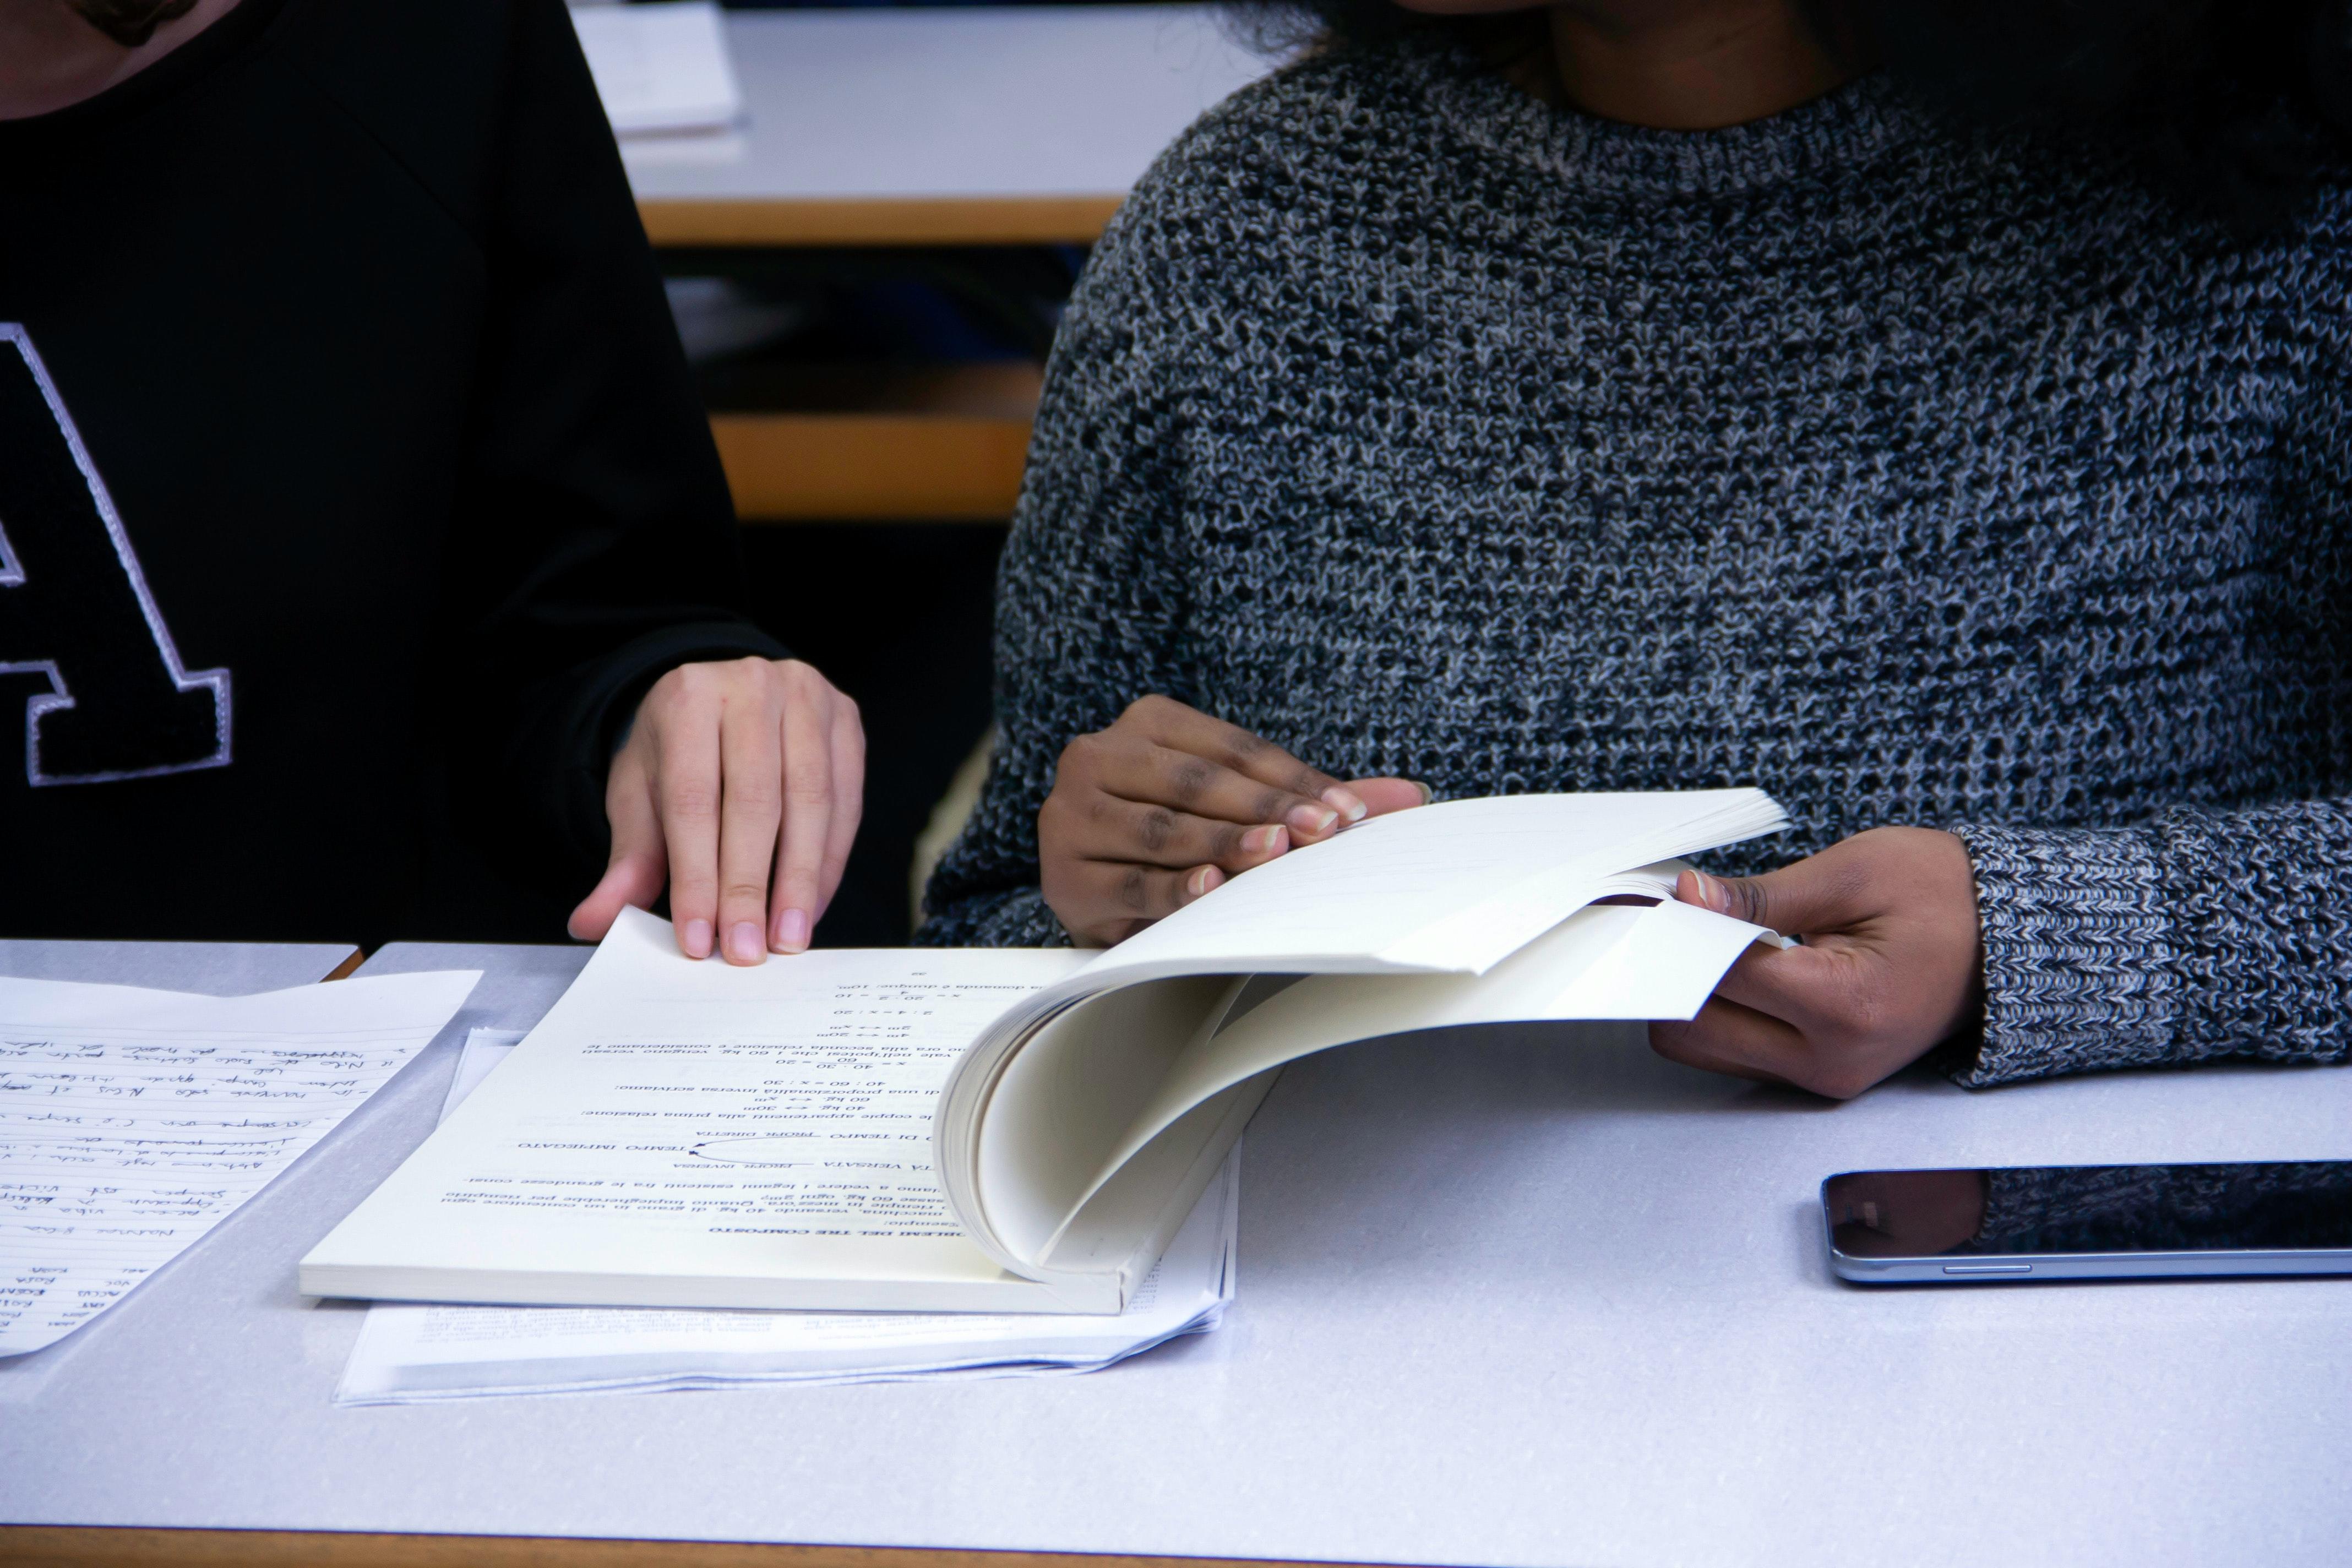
pixel 1915 475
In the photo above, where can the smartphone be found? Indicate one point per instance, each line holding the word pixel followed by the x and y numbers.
pixel 2089 1222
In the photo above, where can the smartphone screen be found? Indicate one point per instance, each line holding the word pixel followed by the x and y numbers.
pixel 2089 1221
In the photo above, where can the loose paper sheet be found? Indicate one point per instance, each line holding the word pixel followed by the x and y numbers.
pixel 660 68
pixel 409 1354
pixel 132 1121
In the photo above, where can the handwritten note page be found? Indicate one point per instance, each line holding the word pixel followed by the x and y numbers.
pixel 132 1121
pixel 694 1134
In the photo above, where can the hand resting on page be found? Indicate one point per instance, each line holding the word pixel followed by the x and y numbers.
pixel 740 787
pixel 1167 802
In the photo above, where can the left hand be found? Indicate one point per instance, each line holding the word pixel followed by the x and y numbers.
pixel 740 785
pixel 1891 964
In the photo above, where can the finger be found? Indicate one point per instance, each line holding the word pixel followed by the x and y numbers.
pixel 1821 892
pixel 1726 1037
pixel 1121 831
pixel 1382 795
pixel 751 807
pixel 685 792
pixel 637 867
pixel 1183 729
pixel 1804 986
pixel 848 802
pixel 1155 775
pixel 808 812
pixel 1119 900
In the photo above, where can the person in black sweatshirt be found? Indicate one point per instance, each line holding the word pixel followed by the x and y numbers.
pixel 345 441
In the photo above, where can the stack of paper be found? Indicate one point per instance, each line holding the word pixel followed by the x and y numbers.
pixel 660 68
pixel 133 1121
pixel 409 1354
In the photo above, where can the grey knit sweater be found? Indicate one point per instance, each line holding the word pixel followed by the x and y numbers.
pixel 1914 475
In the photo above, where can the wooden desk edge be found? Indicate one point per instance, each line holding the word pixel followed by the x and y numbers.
pixel 877 221
pixel 103 1546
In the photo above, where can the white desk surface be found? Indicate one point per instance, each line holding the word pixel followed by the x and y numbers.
pixel 214 968
pixel 1020 101
pixel 1501 1302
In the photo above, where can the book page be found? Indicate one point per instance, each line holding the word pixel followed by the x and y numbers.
pixel 1448 890
pixel 1452 888
pixel 1612 962
pixel 677 1132
pixel 132 1121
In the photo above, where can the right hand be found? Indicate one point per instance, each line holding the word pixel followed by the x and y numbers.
pixel 1167 802
pixel 739 787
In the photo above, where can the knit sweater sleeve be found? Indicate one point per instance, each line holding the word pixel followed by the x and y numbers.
pixel 1090 601
pixel 2202 933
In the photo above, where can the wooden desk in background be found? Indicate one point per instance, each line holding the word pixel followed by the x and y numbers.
pixel 1016 126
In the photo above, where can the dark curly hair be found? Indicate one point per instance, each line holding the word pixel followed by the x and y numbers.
pixel 2236 104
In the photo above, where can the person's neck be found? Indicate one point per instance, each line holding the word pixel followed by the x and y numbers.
pixel 1692 65
pixel 51 60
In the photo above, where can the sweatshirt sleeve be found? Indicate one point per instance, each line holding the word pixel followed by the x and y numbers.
pixel 593 547
pixel 2203 933
pixel 1090 594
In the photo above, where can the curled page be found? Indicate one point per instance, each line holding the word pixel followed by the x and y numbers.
pixel 1609 962
pixel 1047 1122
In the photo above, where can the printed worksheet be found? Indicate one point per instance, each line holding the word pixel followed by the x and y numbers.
pixel 676 1133
pixel 132 1121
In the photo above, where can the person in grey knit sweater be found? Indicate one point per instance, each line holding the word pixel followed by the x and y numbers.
pixel 1686 404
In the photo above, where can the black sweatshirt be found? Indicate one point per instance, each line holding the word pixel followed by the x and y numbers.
pixel 344 438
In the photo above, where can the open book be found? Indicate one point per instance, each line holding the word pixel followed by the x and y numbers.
pixel 1010 1131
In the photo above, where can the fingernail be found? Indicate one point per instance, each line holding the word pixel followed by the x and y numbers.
pixel 1266 840
pixel 793 931
pixel 697 939
pixel 743 943
pixel 1312 821
pixel 1711 893
pixel 1427 793
pixel 1205 879
pixel 1345 801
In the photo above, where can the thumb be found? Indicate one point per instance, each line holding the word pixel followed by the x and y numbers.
pixel 637 873
pixel 1795 899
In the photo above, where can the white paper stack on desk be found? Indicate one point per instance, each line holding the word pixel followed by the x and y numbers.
pixel 687 1134
pixel 409 1354
pixel 660 69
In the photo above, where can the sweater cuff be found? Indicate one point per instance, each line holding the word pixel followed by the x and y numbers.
pixel 2078 950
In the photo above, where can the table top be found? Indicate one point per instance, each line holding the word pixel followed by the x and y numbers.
pixel 987 124
pixel 1503 1300
pixel 214 968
